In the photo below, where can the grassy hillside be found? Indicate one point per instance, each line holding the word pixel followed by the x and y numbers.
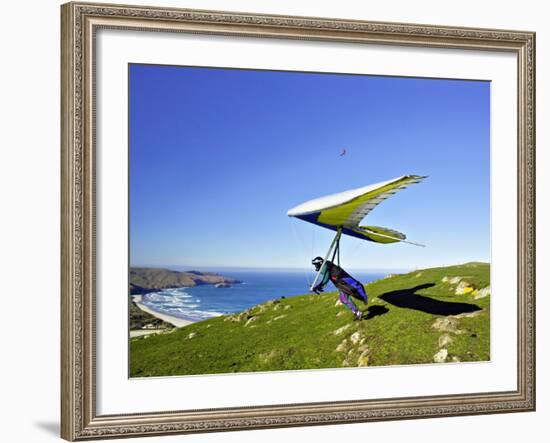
pixel 425 316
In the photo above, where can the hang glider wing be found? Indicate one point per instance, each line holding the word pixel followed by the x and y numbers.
pixel 347 209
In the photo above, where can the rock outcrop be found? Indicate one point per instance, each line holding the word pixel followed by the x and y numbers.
pixel 482 293
pixel 447 324
pixel 441 356
pixel 464 287
pixel 451 280
pixel 343 329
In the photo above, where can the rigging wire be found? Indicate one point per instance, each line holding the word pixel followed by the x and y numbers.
pixel 303 249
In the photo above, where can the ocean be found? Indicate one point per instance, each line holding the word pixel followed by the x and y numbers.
pixel 203 302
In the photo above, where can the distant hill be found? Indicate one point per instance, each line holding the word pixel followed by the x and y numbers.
pixel 144 280
pixel 433 315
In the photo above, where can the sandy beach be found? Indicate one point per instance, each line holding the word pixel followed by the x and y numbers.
pixel 177 322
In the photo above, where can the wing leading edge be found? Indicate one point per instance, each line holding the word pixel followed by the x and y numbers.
pixel 347 209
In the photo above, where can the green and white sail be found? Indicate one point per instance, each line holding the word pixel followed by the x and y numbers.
pixel 345 211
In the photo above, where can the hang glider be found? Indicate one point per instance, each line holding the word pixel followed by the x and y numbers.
pixel 343 212
pixel 346 210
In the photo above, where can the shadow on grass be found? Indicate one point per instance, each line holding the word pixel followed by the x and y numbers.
pixel 406 298
pixel 375 311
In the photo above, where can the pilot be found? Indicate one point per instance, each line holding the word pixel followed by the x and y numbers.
pixel 349 287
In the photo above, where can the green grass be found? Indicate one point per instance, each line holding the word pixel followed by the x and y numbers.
pixel 299 332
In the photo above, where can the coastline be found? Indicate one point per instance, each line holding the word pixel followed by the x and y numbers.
pixel 177 322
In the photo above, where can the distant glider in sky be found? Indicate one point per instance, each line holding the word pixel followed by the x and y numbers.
pixel 343 152
pixel 344 211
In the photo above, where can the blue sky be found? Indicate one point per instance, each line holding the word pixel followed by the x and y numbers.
pixel 218 156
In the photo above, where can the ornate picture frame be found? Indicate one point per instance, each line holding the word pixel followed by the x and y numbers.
pixel 80 22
